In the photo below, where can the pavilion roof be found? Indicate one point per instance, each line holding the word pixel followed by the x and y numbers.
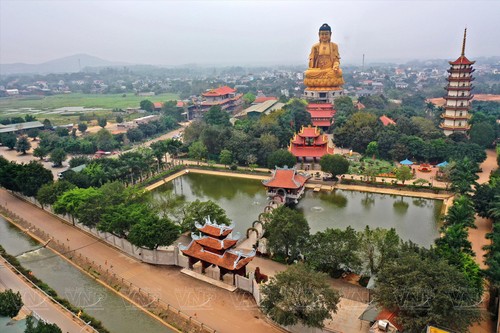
pixel 213 229
pixel 462 60
pixel 286 178
pixel 386 120
pixel 310 151
pixel 219 91
pixel 300 140
pixel 216 244
pixel 308 132
pixel 321 113
pixel 157 105
pixel 230 259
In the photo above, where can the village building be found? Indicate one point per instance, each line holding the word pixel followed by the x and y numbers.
pixel 258 109
pixel 458 97
pixel 20 127
pixel 225 97
pixel 214 246
pixel 321 114
pixel 309 143
pixel 386 121
pixel 286 184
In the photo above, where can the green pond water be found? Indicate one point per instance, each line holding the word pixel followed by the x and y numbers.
pixel 243 200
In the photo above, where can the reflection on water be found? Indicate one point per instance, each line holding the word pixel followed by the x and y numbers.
pixel 116 314
pixel 8 325
pixel 414 219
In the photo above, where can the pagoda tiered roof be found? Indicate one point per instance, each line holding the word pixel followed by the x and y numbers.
pixel 214 243
pixel 462 60
pixel 214 229
pixel 230 259
pixel 286 178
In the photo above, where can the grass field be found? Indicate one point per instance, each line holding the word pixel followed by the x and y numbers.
pixel 108 101
pixel 45 107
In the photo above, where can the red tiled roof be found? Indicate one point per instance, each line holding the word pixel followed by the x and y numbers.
pixel 158 105
pixel 390 317
pixel 180 104
pixel 285 178
pixel 215 231
pixel 386 120
pixel 264 99
pixel 462 60
pixel 310 151
pixel 230 260
pixel 309 132
pixel 321 113
pixel 318 141
pixel 322 106
pixel 220 91
pixel 321 123
pixel 360 106
pixel 216 244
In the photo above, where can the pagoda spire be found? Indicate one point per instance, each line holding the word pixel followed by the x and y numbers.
pixel 463 44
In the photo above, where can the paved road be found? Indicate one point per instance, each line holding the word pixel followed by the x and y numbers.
pixel 36 301
pixel 220 309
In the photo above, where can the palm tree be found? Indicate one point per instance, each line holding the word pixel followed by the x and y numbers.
pixel 462 212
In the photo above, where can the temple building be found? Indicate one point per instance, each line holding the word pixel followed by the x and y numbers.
pixel 458 97
pixel 214 246
pixel 309 143
pixel 225 97
pixel 287 184
pixel 321 114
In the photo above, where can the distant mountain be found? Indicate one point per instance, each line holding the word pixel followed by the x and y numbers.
pixel 69 64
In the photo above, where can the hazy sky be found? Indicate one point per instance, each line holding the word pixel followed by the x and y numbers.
pixel 244 32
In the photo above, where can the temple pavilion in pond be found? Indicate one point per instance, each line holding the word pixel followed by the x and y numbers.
pixel 286 184
pixel 214 246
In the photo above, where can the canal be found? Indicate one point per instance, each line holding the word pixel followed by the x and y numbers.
pixel 414 219
pixel 116 314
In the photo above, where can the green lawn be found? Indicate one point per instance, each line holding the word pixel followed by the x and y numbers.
pixel 107 101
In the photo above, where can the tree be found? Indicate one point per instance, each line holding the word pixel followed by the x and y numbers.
pixel 33 133
pixel 287 233
pixel 23 145
pixel 40 152
pixel 31 177
pixel 334 251
pixel 170 109
pixel 249 98
pixel 47 125
pixel 62 131
pixel 217 116
pixel 104 140
pixel 482 134
pixel 135 134
pixel 281 158
pixel 463 176
pixel 225 157
pixel 102 121
pixel 198 151
pixel 461 212
pixel 198 211
pixel 57 156
pixel 147 105
pixel 9 140
pixel 41 327
pixel 372 149
pixel 119 119
pixel 153 232
pixel 10 303
pixel 82 127
pixel 334 164
pixel 434 294
pixel 48 193
pixel 377 246
pixel 299 296
pixel 403 173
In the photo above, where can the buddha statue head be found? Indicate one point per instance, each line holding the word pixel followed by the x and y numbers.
pixel 325 33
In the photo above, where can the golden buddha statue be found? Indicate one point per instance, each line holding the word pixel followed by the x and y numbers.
pixel 324 71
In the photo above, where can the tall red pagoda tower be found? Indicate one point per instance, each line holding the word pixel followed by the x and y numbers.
pixel 309 143
pixel 321 114
pixel 458 99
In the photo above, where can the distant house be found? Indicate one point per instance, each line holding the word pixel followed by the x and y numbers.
pixel 12 92
pixel 225 97
pixel 263 99
pixel 146 119
pixel 258 109
pixel 401 85
pixel 157 106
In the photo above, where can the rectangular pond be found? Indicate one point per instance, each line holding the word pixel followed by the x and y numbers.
pixel 414 219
